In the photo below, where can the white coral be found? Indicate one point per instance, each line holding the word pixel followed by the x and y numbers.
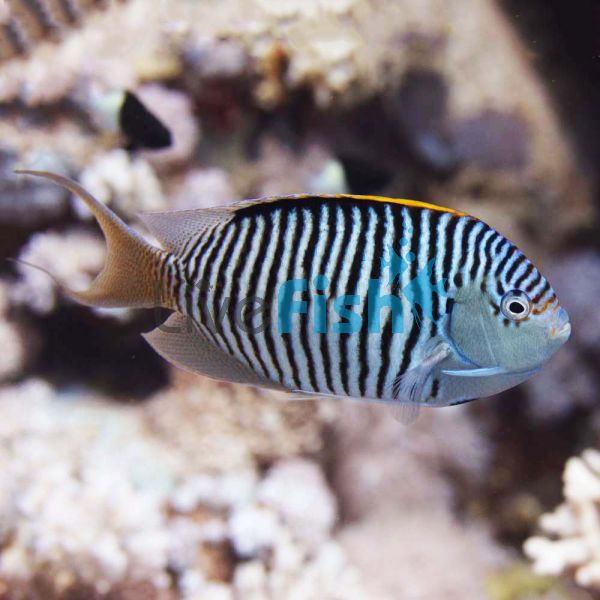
pixel 73 258
pixel 571 539
pixel 129 184
pixel 294 488
pixel 88 510
pixel 88 493
pixel 16 340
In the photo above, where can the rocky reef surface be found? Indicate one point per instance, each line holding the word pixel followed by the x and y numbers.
pixel 122 479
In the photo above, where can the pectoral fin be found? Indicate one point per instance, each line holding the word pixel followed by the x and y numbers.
pixel 406 413
pixel 409 387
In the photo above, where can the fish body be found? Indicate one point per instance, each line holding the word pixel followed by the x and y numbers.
pixel 291 293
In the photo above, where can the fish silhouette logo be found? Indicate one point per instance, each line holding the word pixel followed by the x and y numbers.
pixel 420 290
pixel 396 263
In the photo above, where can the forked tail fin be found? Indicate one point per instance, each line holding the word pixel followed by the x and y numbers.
pixel 130 276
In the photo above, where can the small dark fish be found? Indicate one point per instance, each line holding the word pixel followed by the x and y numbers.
pixel 141 128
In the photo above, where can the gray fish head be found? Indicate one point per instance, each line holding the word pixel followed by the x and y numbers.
pixel 506 332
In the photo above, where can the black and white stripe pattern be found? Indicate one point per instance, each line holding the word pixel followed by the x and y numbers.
pixel 343 239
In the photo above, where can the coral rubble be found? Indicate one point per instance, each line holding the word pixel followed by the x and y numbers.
pixel 571 533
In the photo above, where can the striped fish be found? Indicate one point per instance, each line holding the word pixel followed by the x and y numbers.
pixel 27 22
pixel 288 293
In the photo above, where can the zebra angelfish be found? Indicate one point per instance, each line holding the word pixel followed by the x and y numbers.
pixel 288 293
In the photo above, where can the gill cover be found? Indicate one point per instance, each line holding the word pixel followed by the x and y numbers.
pixel 474 330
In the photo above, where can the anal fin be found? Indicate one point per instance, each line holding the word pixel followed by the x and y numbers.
pixel 181 342
pixel 307 395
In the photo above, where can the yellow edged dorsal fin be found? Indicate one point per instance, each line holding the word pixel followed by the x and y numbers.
pixel 176 229
pixel 297 197
pixel 405 202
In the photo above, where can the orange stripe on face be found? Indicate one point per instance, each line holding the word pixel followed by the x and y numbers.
pixel 545 306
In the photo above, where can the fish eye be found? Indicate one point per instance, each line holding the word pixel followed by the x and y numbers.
pixel 516 305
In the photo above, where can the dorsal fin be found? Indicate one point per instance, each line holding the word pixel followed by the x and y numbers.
pixel 175 229
pixel 297 197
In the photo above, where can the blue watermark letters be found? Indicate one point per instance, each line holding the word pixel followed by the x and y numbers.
pixel 344 314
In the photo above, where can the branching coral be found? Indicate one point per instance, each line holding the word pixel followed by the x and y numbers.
pixel 73 258
pixel 129 184
pixel 90 495
pixel 493 115
pixel 17 341
pixel 571 540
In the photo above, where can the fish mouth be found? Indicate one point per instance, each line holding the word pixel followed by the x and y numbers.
pixel 561 328
pixel 562 332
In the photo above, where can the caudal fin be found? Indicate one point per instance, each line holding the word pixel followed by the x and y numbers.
pixel 130 274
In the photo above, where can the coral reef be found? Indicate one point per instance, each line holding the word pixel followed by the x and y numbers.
pixel 91 494
pixel 73 258
pixel 427 63
pixel 571 539
pixel 399 503
pixel 17 340
pixel 121 479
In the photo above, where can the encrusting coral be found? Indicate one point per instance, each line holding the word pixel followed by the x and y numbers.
pixel 17 341
pixel 428 66
pixel 73 257
pixel 91 493
pixel 571 533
